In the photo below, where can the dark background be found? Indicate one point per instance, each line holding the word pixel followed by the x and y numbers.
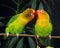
pixel 56 21
pixel 7 13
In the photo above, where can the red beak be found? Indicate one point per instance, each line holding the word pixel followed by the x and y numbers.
pixel 38 11
pixel 33 11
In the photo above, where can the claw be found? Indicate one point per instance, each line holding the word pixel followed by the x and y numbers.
pixel 37 36
pixel 38 47
pixel 50 37
pixel 7 34
pixel 17 35
pixel 49 47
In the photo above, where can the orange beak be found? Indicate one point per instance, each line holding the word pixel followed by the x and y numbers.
pixel 33 12
pixel 39 11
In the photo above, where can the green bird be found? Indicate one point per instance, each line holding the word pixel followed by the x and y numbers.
pixel 17 23
pixel 43 26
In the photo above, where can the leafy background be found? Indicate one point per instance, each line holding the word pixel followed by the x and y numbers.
pixel 8 8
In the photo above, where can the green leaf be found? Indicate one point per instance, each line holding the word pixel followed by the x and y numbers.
pixel 20 43
pixel 15 2
pixel 47 7
pixel 52 1
pixel 18 5
pixel 30 30
pixel 33 5
pixel 26 5
pixel 12 42
pixel 41 6
pixel 1 18
pixel 45 41
pixel 2 24
pixel 31 42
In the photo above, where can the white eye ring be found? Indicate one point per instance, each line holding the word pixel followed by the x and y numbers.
pixel 41 11
pixel 30 14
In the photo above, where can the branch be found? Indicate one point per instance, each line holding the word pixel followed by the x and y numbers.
pixel 28 35
pixel 3 34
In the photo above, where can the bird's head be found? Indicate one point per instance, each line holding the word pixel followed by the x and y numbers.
pixel 43 15
pixel 29 13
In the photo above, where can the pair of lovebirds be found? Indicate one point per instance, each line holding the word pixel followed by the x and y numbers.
pixel 43 26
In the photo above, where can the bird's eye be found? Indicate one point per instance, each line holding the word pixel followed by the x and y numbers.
pixel 28 15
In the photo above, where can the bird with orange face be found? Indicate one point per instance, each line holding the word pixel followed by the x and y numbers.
pixel 18 22
pixel 43 26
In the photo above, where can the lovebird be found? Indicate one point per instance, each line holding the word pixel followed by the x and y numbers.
pixel 17 23
pixel 43 25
